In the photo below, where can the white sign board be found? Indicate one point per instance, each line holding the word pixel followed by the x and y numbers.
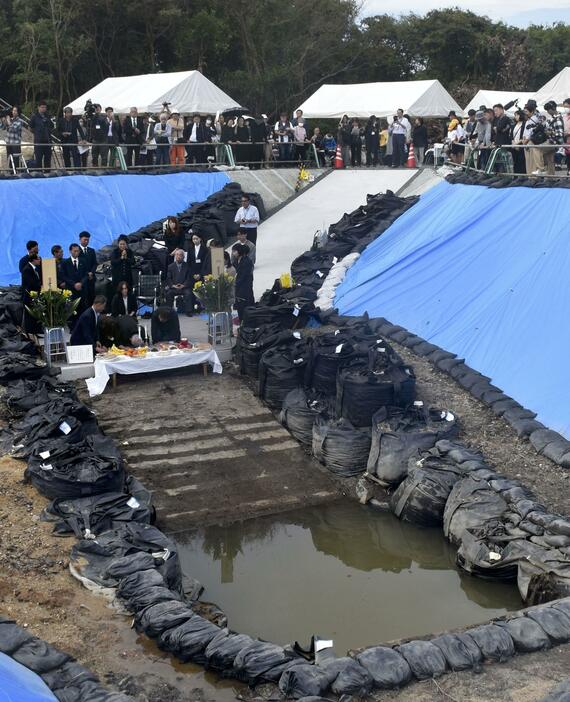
pixel 80 354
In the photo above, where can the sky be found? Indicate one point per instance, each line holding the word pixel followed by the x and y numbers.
pixel 517 12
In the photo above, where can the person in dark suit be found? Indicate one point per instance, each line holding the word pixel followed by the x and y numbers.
pixel 197 260
pixel 244 279
pixel 89 260
pixel 70 133
pixel 114 136
pixel 97 135
pixel 31 282
pixel 121 331
pixel 179 282
pixel 57 253
pixel 133 134
pixel 195 136
pixel 124 301
pixel 41 126
pixel 86 330
pixel 75 278
pixel 164 325
pixel 33 249
pixel 122 262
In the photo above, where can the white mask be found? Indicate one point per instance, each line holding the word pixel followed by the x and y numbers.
pixel 208 122
pixel 567 110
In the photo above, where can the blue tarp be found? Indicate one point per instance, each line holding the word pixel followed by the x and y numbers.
pixel 55 210
pixel 482 273
pixel 18 684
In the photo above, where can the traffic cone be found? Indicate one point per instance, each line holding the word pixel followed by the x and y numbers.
pixel 411 162
pixel 338 162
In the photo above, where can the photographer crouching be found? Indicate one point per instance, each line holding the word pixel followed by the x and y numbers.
pixel 12 123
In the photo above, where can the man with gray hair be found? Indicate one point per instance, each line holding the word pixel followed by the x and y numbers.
pixel 179 282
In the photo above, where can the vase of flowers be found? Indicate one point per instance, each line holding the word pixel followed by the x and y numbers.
pixel 216 296
pixel 52 309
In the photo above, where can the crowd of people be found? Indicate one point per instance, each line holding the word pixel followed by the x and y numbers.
pixel 100 320
pixel 172 139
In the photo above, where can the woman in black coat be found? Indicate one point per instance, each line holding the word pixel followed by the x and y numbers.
pixel 124 301
pixel 197 260
pixel 419 140
pixel 122 263
pixel 244 280
pixel 372 140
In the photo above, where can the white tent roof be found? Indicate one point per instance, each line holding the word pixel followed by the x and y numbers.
pixel 557 88
pixel 188 91
pixel 494 97
pixel 418 98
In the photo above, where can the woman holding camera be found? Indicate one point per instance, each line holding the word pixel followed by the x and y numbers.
pixel 12 123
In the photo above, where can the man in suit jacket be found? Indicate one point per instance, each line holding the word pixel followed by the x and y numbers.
pixel 195 135
pixel 31 282
pixel 57 253
pixel 75 278
pixel 33 249
pixel 88 257
pixel 179 282
pixel 164 325
pixel 41 126
pixel 97 134
pixel 70 132
pixel 133 134
pixel 86 332
pixel 114 136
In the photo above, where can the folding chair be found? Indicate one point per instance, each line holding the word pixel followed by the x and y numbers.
pixel 148 291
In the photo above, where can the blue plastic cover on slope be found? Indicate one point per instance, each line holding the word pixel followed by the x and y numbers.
pixel 483 273
pixel 18 684
pixel 55 210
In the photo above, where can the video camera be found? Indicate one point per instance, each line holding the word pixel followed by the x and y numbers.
pixel 5 113
pixel 89 109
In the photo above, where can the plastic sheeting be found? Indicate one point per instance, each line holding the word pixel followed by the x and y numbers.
pixel 481 272
pixel 55 210
pixel 18 684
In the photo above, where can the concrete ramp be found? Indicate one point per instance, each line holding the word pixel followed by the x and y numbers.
pixel 290 231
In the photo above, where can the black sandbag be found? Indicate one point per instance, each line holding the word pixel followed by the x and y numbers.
pixel 263 662
pixel 341 447
pixel 460 651
pixel 363 388
pixel 160 617
pixel 149 596
pixel 21 395
pixel 328 354
pixel 39 656
pixel 90 467
pixel 420 499
pixel 388 668
pixel 400 433
pixel 124 566
pixel 425 660
pixel 495 642
pixel 281 369
pixel 12 636
pixel 69 675
pixel 470 505
pixel 299 411
pixel 189 640
pixel 458 452
pixel 303 680
pixel 249 353
pixel 556 450
pixel 87 517
pixel 488 555
pixel 17 366
pixel 525 426
pixel 350 678
pixel 285 314
pixel 92 559
pixel 554 622
pixel 561 693
pixel 142 579
pixel 526 634
pixel 542 437
pixel 90 691
pixel 223 649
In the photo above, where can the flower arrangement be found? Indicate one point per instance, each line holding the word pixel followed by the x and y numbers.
pixel 215 294
pixel 52 308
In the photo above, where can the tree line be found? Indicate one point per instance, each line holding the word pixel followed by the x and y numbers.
pixel 268 54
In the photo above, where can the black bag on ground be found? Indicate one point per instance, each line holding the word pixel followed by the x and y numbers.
pixel 561 693
pixel 495 642
pixel 188 641
pixel 425 660
pixel 39 656
pixel 304 680
pixel 460 651
pixel 299 411
pixel 363 388
pixel 223 649
pixel 157 618
pixel 328 353
pixel 23 395
pixel 252 344
pixel 12 636
pixel 281 369
pixel 350 678
pixel 420 499
pixel 17 365
pixel 526 634
pixel 388 668
pixel 263 662
pixel 90 467
pixel 340 446
pixel 400 433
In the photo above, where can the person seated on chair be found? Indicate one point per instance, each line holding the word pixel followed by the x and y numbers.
pixel 164 325
pixel 179 282
pixel 124 301
pixel 86 331
pixel 122 331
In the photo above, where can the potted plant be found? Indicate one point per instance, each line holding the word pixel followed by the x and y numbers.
pixel 52 309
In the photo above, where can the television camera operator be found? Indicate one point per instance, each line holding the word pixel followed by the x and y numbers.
pixel 12 123
pixel 95 121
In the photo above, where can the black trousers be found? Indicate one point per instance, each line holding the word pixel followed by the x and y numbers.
pixel 71 153
pixel 398 150
pixel 133 151
pixel 42 156
pixel 186 293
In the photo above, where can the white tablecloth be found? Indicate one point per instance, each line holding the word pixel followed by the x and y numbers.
pixel 150 363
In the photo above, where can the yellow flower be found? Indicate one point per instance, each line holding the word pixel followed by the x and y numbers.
pixel 197 285
pixel 33 293
pixel 66 293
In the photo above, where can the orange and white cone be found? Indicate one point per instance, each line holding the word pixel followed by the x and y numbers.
pixel 411 162
pixel 338 162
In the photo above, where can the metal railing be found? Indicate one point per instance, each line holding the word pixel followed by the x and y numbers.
pixel 498 160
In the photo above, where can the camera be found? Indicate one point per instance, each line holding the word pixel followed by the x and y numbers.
pixel 89 109
pixel 5 113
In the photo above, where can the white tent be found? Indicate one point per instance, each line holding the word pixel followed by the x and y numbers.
pixel 188 91
pixel 418 98
pixel 494 97
pixel 557 88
